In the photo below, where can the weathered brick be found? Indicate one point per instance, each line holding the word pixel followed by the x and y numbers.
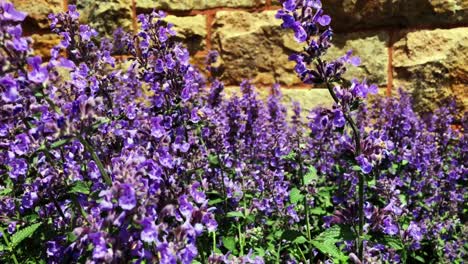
pixel 106 15
pixel 253 46
pixel 308 98
pixel 38 10
pixel 43 43
pixel 186 5
pixel 191 30
pixel 432 66
pixel 371 47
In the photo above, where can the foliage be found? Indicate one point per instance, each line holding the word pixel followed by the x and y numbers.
pixel 144 160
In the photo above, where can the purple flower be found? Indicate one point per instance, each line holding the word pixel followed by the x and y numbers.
pixel 86 32
pixel 29 199
pixel 185 207
pixel 338 118
pixel 149 233
pixel 300 35
pixel 289 5
pixel 100 250
pixel 8 12
pixel 53 248
pixel 38 74
pixel 324 20
pixel 11 227
pixel 165 159
pixel 11 93
pixel 127 199
pixel 189 253
pixel 19 167
pixel 363 162
pixel 389 226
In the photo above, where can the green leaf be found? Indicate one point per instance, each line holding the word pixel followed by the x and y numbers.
pixel 329 248
pixel 5 191
pixel 59 143
pixel 325 242
pixel 79 187
pixel 300 240
pixel 295 196
pixel 393 242
pixel 325 197
pixel 230 243
pixel 71 237
pixel 290 156
pixel 310 176
pixel 235 214
pixel 260 252
pixel 215 201
pixel 419 258
pixel 213 159
pixel 317 211
pixel 23 234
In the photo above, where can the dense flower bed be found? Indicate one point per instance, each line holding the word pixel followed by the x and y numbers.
pixel 144 160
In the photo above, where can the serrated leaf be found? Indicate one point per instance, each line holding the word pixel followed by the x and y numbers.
pixel 330 249
pixel 325 242
pixel 23 234
pixel 79 187
pixel 392 242
pixel 229 243
pixel 310 176
pixel 295 196
pixel 235 214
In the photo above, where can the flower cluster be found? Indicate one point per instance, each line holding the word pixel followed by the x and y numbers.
pixel 140 158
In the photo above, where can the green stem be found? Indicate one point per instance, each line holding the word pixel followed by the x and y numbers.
pixel 306 204
pixel 7 242
pixel 302 253
pixel 241 243
pixel 214 242
pixel 278 254
pixel 361 185
pixel 96 159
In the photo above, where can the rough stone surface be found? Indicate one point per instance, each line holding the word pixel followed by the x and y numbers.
pixel 186 5
pixel 191 30
pixel 308 98
pixel 42 44
pixel 38 10
pixel 370 13
pixel 371 47
pixel 106 15
pixel 432 65
pixel 253 46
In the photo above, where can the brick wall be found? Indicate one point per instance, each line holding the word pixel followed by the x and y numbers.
pixel 420 45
